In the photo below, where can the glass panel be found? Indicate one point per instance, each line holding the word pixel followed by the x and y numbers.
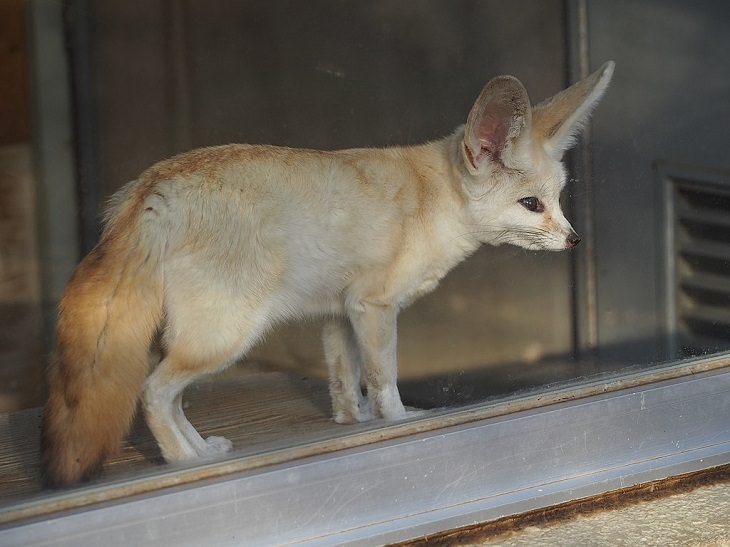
pixel 113 86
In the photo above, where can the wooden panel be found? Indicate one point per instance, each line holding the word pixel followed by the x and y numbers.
pixel 14 113
pixel 21 353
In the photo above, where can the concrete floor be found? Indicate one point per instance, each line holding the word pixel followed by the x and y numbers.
pixel 700 517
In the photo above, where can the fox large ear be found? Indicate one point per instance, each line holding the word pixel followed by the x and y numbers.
pixel 498 117
pixel 558 120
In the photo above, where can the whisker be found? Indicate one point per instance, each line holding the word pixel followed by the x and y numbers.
pixel 497 235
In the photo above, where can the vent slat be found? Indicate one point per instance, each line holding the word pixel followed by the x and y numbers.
pixel 715 250
pixel 715 316
pixel 704 231
pixel 709 283
pixel 696 195
pixel 704 217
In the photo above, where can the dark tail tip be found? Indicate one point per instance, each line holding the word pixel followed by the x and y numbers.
pixel 59 467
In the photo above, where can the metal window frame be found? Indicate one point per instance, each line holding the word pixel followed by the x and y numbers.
pixel 657 424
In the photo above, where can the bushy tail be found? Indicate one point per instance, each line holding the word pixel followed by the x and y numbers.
pixel 109 313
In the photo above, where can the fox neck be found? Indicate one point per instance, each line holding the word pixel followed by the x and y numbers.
pixel 448 233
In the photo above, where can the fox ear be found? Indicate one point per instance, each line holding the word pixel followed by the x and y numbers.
pixel 498 117
pixel 558 120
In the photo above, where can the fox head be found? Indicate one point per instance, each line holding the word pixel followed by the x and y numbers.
pixel 512 154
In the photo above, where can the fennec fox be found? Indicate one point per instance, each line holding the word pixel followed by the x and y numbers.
pixel 213 247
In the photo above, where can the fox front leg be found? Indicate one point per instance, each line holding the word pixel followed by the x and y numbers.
pixel 375 331
pixel 344 364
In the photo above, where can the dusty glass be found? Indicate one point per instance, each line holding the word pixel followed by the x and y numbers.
pixel 114 87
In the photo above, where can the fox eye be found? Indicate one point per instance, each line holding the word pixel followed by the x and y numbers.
pixel 532 204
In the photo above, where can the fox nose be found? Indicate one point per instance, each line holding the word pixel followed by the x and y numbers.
pixel 572 240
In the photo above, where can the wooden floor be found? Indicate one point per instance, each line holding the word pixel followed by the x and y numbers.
pixel 258 412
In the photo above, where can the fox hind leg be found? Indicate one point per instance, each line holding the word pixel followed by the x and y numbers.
pixel 210 446
pixel 192 354
pixel 162 400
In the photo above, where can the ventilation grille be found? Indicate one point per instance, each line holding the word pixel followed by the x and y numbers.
pixel 702 265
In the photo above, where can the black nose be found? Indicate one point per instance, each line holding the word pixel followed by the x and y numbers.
pixel 572 240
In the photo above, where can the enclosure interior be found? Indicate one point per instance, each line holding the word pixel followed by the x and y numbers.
pixel 648 189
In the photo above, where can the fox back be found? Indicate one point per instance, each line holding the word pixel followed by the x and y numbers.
pixel 210 249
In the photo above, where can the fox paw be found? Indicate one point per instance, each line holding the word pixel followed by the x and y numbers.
pixel 345 414
pixel 362 415
pixel 217 445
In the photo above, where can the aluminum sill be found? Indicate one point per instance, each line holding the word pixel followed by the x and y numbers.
pixel 428 482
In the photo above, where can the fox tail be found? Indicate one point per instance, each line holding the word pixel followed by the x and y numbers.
pixel 109 314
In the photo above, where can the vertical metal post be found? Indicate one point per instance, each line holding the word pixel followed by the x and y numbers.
pixel 53 152
pixel 82 78
pixel 584 263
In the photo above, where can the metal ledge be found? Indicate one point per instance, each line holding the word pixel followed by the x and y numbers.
pixel 428 482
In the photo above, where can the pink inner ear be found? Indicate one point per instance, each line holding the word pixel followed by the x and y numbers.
pixel 492 134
